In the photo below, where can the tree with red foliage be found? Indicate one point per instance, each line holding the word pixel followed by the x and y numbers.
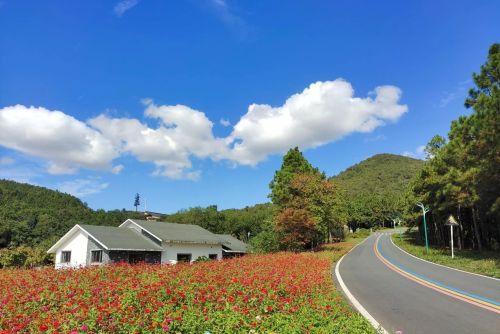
pixel 297 226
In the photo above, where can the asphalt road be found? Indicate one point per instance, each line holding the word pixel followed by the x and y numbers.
pixel 412 296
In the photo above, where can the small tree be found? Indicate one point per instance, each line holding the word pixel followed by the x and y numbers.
pixel 137 201
pixel 297 228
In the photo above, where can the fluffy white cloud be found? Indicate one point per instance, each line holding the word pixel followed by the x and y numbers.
pixel 182 132
pixel 65 142
pixel 322 113
pixel 82 187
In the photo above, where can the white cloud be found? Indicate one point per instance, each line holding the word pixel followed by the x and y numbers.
pixel 419 153
pixel 19 174
pixel 447 99
pixel 408 154
pixel 123 6
pixel 224 122
pixel 182 132
pixel 6 161
pixel 229 17
pixel 82 187
pixel 63 141
pixel 322 113
pixel 375 139
pixel 117 169
pixel 421 149
pixel 458 92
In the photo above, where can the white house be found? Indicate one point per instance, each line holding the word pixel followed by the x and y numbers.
pixel 141 241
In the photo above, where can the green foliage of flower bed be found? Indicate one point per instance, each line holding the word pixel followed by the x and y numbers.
pixel 273 293
pixel 484 263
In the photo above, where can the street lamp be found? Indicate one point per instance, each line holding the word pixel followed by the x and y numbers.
pixel 395 221
pixel 424 211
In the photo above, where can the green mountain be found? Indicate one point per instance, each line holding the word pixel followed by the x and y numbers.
pixel 37 216
pixel 375 188
pixel 382 174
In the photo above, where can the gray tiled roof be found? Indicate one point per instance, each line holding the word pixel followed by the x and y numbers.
pixel 171 232
pixel 233 244
pixel 115 238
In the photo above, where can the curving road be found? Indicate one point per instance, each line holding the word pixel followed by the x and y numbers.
pixel 403 293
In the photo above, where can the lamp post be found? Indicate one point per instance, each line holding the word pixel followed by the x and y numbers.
pixel 424 211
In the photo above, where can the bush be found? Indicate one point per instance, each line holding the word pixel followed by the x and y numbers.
pixel 267 241
pixel 24 256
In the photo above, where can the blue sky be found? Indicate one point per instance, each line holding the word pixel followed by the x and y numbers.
pixel 192 103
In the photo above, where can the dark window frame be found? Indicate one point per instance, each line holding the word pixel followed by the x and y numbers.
pixel 181 255
pixel 213 256
pixel 65 256
pixel 99 257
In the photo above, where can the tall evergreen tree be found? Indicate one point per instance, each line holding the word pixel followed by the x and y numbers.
pixel 293 164
pixel 137 201
pixel 462 176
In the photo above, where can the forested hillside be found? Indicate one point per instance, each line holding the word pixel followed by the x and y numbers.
pixel 375 188
pixel 384 174
pixel 37 216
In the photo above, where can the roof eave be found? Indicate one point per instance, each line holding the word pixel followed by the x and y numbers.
pixel 193 242
pixel 54 247
pixel 135 249
pixel 133 222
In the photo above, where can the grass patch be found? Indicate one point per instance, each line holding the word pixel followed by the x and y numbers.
pixel 484 263
pixel 358 236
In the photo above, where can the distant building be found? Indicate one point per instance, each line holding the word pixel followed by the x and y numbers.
pixel 148 215
pixel 141 241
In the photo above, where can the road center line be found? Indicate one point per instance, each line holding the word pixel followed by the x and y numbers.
pixel 482 302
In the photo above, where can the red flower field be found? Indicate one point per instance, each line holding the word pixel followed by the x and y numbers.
pixel 275 293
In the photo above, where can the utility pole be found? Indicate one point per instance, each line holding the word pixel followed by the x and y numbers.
pixel 424 211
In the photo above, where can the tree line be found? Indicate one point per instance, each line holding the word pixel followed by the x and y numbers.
pixel 461 176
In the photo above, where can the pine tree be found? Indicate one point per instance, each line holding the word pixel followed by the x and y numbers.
pixel 137 201
pixel 293 164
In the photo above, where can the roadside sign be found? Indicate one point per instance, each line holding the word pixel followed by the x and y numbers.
pixel 451 221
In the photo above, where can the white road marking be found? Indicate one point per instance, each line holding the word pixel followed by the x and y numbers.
pixel 353 300
pixel 437 264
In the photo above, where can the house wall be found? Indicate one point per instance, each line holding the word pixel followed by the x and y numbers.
pixel 77 245
pixel 93 245
pixel 169 255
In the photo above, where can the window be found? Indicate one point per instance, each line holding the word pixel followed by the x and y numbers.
pixel 182 257
pixel 96 256
pixel 212 256
pixel 65 256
